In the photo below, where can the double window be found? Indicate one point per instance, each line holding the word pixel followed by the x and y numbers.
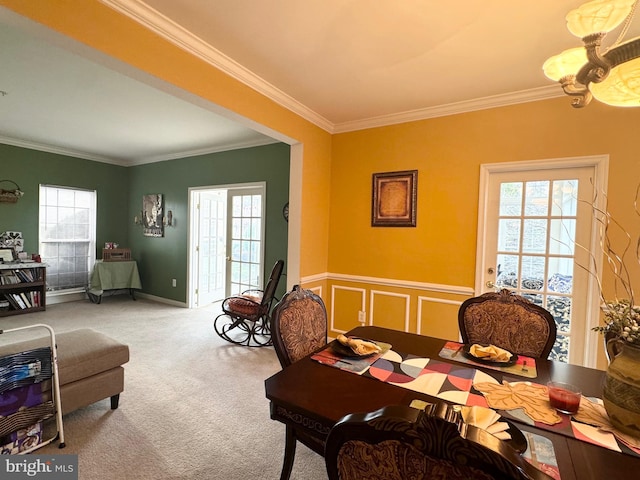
pixel 67 236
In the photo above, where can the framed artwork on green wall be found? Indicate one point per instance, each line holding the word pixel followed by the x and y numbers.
pixel 152 215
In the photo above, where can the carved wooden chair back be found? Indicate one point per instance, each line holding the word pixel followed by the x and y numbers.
pixel 298 325
pixel 400 442
pixel 509 321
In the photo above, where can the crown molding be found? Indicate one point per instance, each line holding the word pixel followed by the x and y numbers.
pixel 503 100
pixel 43 147
pixel 205 151
pixel 145 15
pixel 179 36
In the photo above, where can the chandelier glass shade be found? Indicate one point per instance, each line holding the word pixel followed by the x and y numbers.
pixel 610 75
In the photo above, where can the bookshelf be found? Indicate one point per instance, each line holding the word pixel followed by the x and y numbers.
pixel 22 288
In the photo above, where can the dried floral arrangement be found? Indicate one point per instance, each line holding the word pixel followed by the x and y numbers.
pixel 622 315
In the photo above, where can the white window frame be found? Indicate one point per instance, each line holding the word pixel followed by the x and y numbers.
pixel 43 240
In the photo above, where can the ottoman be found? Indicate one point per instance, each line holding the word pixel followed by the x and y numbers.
pixel 89 366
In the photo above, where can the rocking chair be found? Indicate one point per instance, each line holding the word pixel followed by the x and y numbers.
pixel 246 318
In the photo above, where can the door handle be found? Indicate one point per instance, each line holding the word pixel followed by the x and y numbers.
pixel 490 284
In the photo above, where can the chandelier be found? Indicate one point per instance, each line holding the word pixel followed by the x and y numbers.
pixel 611 75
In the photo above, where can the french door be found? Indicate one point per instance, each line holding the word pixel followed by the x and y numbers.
pixel 245 245
pixel 227 241
pixel 211 248
pixel 537 236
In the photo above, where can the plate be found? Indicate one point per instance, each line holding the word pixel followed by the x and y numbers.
pixel 467 354
pixel 518 441
pixel 346 352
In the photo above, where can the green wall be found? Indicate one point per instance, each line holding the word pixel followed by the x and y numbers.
pixel 30 168
pixel 120 191
pixel 162 259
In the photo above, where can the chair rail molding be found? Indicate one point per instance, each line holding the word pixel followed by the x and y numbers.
pixel 389 282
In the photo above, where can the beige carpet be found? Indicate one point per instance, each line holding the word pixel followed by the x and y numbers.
pixel 193 407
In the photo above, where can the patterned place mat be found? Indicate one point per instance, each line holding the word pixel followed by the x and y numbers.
pixel 446 381
pixel 540 454
pixel 524 366
pixel 354 364
pixel 528 403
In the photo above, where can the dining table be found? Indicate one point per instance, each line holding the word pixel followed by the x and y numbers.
pixel 315 396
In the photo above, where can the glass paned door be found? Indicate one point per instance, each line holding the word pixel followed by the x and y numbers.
pixel 245 239
pixel 538 225
pixel 211 248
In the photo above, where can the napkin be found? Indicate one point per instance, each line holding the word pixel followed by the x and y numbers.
pixel 490 352
pixel 359 346
pixel 486 419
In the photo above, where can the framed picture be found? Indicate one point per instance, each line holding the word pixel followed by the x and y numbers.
pixel 394 199
pixel 152 215
pixel 7 255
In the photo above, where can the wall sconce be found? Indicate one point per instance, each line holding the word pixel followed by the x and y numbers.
pixel 138 219
pixel 168 220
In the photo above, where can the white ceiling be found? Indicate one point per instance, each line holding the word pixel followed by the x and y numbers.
pixel 343 64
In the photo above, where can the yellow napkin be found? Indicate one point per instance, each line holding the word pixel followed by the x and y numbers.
pixel 490 352
pixel 486 419
pixel 360 347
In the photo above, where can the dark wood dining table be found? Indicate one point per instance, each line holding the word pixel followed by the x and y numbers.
pixel 315 396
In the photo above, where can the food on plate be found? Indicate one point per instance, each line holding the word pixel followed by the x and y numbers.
pixel 486 419
pixel 490 352
pixel 359 346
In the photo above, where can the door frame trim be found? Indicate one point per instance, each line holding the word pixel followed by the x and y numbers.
pixel 600 164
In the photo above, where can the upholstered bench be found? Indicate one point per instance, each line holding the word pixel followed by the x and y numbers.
pixel 89 366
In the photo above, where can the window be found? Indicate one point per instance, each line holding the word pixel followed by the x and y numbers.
pixel 67 236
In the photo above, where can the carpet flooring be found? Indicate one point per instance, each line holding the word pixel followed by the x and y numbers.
pixel 193 407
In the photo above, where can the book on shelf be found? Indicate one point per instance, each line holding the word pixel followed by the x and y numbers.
pixel 25 299
pixel 34 297
pixel 15 301
pixel 8 278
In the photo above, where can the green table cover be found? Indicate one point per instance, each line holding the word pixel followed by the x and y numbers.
pixel 114 276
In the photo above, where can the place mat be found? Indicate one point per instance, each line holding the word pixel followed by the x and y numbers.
pixel 443 380
pixel 351 363
pixel 541 454
pixel 524 366
pixel 528 403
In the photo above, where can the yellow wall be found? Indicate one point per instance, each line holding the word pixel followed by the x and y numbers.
pixel 402 277
pixel 448 152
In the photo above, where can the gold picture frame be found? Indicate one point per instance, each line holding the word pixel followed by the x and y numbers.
pixel 394 199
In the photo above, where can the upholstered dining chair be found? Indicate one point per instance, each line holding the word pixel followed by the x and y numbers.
pixel 298 328
pixel 509 321
pixel 399 442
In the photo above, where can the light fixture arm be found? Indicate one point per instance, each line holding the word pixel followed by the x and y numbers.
pixel 581 96
pixel 597 67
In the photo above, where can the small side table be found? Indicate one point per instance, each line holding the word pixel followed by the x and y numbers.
pixel 113 276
